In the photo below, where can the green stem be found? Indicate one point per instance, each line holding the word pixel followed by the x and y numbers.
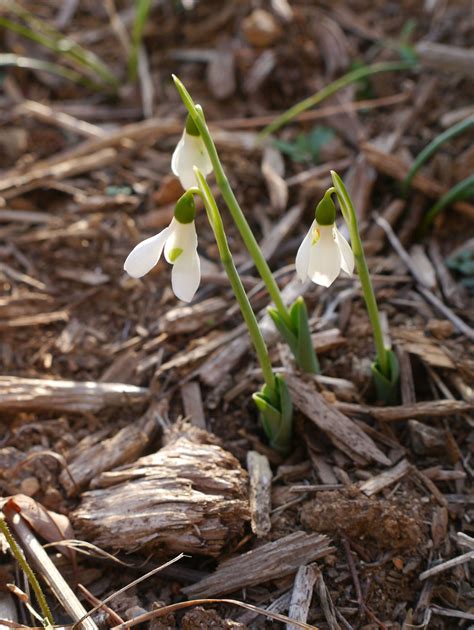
pixel 329 90
pixel 350 218
pixel 226 256
pixel 233 205
pixel 16 551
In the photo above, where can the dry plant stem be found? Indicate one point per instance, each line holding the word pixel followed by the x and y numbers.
pixel 16 551
pixel 217 226
pixel 233 204
pixel 166 610
pixel 46 567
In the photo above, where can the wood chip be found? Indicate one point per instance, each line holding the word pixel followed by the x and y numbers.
pixel 89 459
pixel 434 408
pixel 268 562
pixel 260 476
pixel 386 478
pixel 192 403
pixel 32 394
pixel 190 496
pixel 302 594
pixel 342 431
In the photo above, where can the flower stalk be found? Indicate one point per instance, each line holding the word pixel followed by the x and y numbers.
pixel 274 400
pixel 286 323
pixel 385 369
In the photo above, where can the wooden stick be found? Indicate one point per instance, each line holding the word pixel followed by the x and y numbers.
pixel 45 567
pixel 32 394
pixel 260 476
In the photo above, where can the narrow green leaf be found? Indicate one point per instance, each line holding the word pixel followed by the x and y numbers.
pixel 461 190
pixel 434 145
pixel 142 10
pixel 329 90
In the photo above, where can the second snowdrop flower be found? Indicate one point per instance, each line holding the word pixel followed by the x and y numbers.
pixel 324 251
pixel 190 152
pixel 179 241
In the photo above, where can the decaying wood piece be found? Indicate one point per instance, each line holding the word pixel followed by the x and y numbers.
pixel 42 563
pixel 192 403
pixel 260 476
pixel 386 478
pixel 88 460
pixel 342 431
pixel 268 562
pixel 190 496
pixel 302 594
pixel 434 408
pixel 452 59
pixel 33 394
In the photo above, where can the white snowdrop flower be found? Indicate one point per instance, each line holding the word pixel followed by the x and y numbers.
pixel 179 241
pixel 190 151
pixel 324 251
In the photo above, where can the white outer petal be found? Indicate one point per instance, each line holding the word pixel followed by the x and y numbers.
pixel 146 254
pixel 190 151
pixel 183 235
pixel 303 254
pixel 347 257
pixel 186 275
pixel 325 260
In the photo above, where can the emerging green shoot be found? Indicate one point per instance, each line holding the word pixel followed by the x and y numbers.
pixel 142 9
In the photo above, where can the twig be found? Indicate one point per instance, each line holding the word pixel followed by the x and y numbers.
pixel 421 285
pixel 449 564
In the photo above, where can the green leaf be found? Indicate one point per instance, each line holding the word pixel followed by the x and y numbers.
pixel 434 145
pixel 462 190
pixel 306 356
pixel 276 414
pixel 387 389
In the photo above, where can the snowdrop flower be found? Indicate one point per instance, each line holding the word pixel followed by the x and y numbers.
pixel 179 240
pixel 190 151
pixel 324 251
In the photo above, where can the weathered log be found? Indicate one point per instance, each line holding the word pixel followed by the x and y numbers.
pixel 190 496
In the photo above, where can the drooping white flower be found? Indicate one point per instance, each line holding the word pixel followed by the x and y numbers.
pixel 179 240
pixel 322 255
pixel 190 151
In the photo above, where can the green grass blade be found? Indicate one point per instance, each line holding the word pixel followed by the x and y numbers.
pixel 434 145
pixel 17 61
pixel 141 14
pixel 461 190
pixel 332 88
pixel 38 31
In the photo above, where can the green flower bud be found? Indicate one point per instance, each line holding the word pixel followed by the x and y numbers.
pixel 325 212
pixel 185 209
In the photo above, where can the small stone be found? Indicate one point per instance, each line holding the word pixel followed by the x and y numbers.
pixel 261 29
pixel 30 486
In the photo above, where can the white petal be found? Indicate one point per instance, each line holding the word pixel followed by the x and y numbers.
pixel 183 236
pixel 190 151
pixel 186 275
pixel 303 255
pixel 146 254
pixel 325 260
pixel 347 257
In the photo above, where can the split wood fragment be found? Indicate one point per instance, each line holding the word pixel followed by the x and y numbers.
pixel 268 562
pixel 302 594
pixel 345 433
pixel 32 394
pixel 260 476
pixel 190 496
pixel 434 408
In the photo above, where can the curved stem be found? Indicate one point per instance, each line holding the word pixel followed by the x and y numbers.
pixel 226 256
pixel 233 205
pixel 367 288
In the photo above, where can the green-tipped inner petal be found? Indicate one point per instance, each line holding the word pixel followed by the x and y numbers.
pixel 174 254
